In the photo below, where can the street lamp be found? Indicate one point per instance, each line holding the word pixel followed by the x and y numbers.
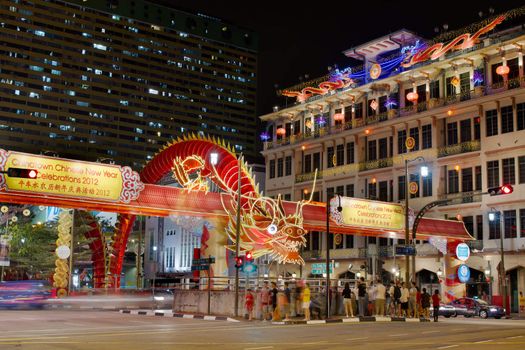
pixel 424 173
pixel 493 215
pixel 340 209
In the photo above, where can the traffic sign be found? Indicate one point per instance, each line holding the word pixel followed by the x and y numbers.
pixel 200 267
pixel 405 249
pixel 203 261
pixel 410 143
pixel 413 187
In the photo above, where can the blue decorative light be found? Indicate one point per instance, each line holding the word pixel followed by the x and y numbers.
pixel 321 121
pixel 391 103
pixel 477 78
pixel 265 136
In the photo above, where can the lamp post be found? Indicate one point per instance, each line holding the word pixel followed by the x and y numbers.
pixel 493 214
pixel 424 173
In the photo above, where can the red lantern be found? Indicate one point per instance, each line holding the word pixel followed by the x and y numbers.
pixel 412 97
pixel 281 131
pixel 503 70
pixel 339 117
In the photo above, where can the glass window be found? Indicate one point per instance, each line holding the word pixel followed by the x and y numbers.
pixel 414 178
pixel 452 133
pixel 465 129
pixel 349 241
pixel 479 227
pixel 340 154
pixel 383 191
pixel 317 161
pixel 350 153
pixel 426 131
pixel 340 190
pixel 453 181
pixel 350 190
pixel 477 128
pixel 272 168
pixel 521 165
pixel 507 120
pixel 478 178
pixel 372 190
pixel 280 163
pixel 493 173
pixel 509 176
pixel 520 111
pixel 509 222
pixel 469 224
pixel 383 149
pixel 497 80
pixel 414 133
pixel 522 223
pixel 330 159
pixel 288 165
pixel 491 119
pixel 307 163
pixel 359 110
pixel 495 228
pixel 401 139
pixel 329 193
pixel 467 184
pixel 427 185
pixel 372 150
pixel 401 187
pixel 434 89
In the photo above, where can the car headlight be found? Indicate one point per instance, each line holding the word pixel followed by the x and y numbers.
pixel 493 309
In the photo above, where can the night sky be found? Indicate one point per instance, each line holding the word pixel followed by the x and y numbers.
pixel 297 38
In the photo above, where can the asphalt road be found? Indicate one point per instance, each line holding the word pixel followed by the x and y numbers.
pixel 99 330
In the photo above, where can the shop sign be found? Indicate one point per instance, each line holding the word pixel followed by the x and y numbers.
pixel 367 213
pixel 463 273
pixel 462 252
pixel 69 178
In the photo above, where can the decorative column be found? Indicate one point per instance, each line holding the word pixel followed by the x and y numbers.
pixel 452 287
pixel 61 275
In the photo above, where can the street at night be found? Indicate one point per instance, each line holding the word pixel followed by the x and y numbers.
pixel 101 330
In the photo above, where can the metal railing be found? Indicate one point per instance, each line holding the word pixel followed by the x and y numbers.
pixel 376 164
pixel 464 147
pixel 461 197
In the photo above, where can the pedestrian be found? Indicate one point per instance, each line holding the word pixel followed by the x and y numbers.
pixel 405 294
pixel 265 301
pixel 418 303
pixel 347 300
pixel 305 296
pixel 361 295
pixel 397 299
pixel 425 303
pixel 273 296
pixel 298 300
pixel 412 301
pixel 286 301
pixel 380 299
pixel 248 302
pixel 436 299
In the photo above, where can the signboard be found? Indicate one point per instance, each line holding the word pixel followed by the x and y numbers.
pixel 462 252
pixel 203 261
pixel 320 268
pixel 68 178
pixel 463 273
pixel 410 143
pixel 200 267
pixel 406 250
pixel 367 213
pixel 413 187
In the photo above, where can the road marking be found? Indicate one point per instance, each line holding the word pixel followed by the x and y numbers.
pixel 362 338
pixel 483 341
pixel 259 348
pixel 518 336
pixel 448 346
pixel 428 332
pixel 398 335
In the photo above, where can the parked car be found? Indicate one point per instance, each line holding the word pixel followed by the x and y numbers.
pixel 445 310
pixel 24 294
pixel 469 307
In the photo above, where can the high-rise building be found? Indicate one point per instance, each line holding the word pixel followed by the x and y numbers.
pixel 462 109
pixel 118 79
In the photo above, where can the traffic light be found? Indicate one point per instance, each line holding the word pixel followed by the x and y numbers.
pixel 23 173
pixel 249 257
pixel 496 191
pixel 239 261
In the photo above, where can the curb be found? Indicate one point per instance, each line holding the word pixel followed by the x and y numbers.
pixel 365 319
pixel 178 315
pixel 83 307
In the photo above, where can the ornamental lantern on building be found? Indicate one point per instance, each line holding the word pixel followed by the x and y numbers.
pixel 455 82
pixel 412 97
pixel 339 117
pixel 502 70
pixel 281 131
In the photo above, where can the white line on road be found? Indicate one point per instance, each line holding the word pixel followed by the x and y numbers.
pixel 362 338
pixel 518 336
pixel 398 335
pixel 259 348
pixel 458 329
pixel 483 341
pixel 448 347
pixel 428 332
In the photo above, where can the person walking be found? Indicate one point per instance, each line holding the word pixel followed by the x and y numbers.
pixel 306 301
pixel 275 309
pixel 436 299
pixel 286 301
pixel 347 300
pixel 265 301
pixel 371 302
pixel 412 301
pixel 405 294
pixel 249 302
pixel 380 299
pixel 425 303
pixel 361 295
pixel 298 300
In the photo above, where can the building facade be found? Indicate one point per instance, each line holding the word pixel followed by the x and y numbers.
pixel 119 79
pixel 468 123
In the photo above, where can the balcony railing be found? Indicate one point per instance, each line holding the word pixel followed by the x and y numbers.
pixel 433 103
pixel 350 253
pixel 335 171
pixel 464 147
pixel 376 164
pixel 462 197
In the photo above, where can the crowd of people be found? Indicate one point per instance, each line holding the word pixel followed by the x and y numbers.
pixel 365 299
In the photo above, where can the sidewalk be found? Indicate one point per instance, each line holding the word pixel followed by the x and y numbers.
pixel 340 319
